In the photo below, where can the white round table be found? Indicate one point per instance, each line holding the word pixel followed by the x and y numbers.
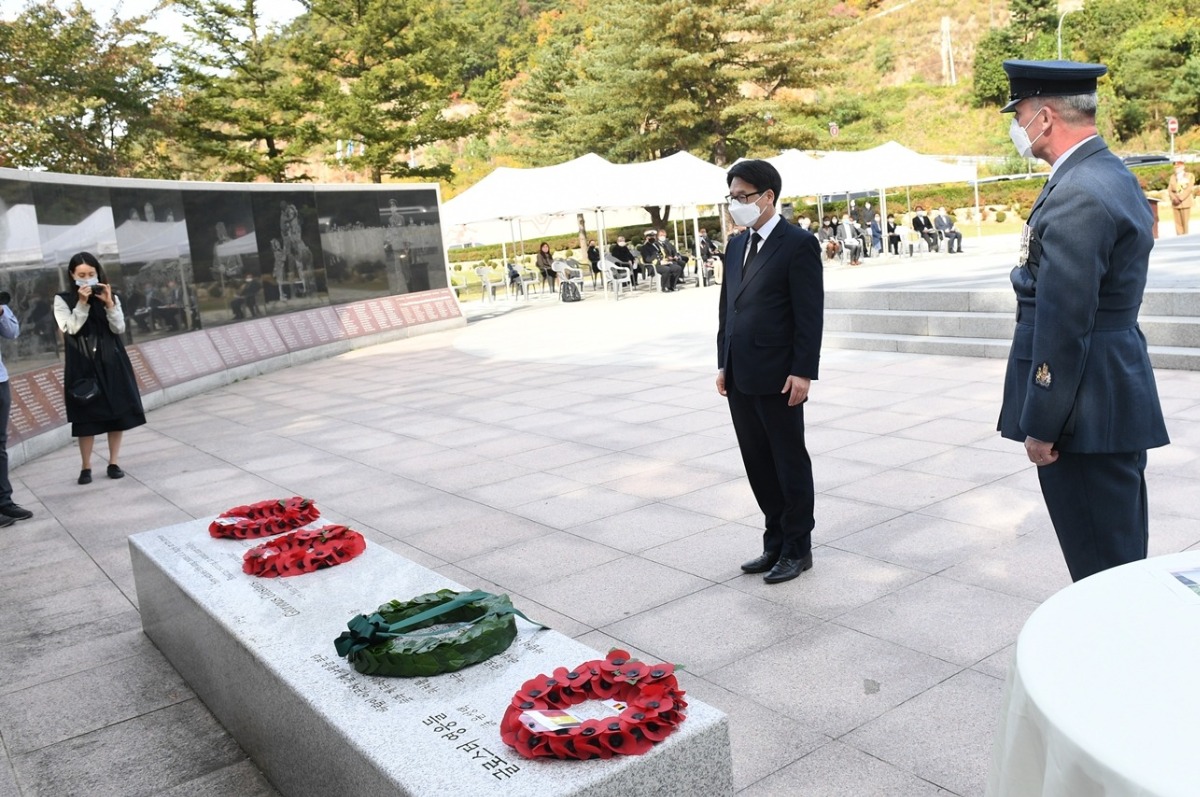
pixel 1103 697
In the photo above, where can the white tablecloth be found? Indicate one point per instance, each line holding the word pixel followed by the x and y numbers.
pixel 1103 697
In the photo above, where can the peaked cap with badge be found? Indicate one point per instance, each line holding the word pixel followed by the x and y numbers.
pixel 1049 79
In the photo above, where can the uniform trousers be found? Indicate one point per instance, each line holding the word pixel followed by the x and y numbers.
pixel 770 435
pixel 1098 505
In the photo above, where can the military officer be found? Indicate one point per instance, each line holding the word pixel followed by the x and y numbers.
pixel 1181 189
pixel 1079 391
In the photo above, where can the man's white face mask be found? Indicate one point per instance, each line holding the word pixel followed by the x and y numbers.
pixel 1020 135
pixel 744 214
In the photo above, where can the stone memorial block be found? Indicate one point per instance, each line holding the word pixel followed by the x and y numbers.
pixel 37 403
pixel 182 358
pixel 247 342
pixel 260 654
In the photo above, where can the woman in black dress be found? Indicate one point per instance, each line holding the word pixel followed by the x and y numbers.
pixel 90 317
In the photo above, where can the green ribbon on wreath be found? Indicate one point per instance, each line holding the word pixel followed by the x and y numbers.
pixel 472 626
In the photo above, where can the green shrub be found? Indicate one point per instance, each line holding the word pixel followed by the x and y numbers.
pixel 1000 216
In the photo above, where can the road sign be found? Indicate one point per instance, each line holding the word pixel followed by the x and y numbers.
pixel 833 129
pixel 1172 125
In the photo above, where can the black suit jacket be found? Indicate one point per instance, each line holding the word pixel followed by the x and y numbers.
pixel 771 317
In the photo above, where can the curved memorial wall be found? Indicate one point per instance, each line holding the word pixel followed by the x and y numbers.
pixel 217 280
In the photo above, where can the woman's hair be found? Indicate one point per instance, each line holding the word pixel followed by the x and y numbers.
pixel 544 245
pixel 89 259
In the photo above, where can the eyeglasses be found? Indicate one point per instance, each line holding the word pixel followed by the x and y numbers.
pixel 741 198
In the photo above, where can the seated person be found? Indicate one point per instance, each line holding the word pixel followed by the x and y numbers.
pixel 655 256
pixel 850 237
pixel 711 256
pixel 247 298
pixel 827 235
pixel 893 236
pixel 924 227
pixel 626 259
pixel 673 254
pixel 944 224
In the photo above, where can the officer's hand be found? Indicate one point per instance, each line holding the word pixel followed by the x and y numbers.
pixel 721 382
pixel 1040 452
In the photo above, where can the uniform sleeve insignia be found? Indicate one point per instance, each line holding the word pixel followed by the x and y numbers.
pixel 1042 376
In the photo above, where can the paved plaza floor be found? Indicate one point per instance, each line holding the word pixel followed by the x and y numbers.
pixel 578 458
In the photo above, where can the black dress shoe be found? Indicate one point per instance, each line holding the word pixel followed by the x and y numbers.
pixel 85 476
pixel 15 512
pixel 115 472
pixel 787 569
pixel 761 564
pixel 5 520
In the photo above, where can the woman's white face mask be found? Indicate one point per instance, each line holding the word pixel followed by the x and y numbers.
pixel 1020 135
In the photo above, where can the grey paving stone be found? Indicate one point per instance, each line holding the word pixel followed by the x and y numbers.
pixel 838 770
pixel 831 471
pixel 838 582
pixel 943 735
pixel 237 780
pixel 1029 567
pixel 728 500
pixel 457 541
pixel 973 464
pixel 67 649
pixel 669 481
pixel 950 430
pixel 995 506
pixel 919 616
pixel 891 451
pixel 711 628
pixel 833 679
pixel 615 590
pixel 903 489
pixel 537 561
pixel 997 664
pixel 878 421
pixel 577 507
pixel 921 542
pixel 838 517
pixel 609 467
pixel 87 603
pixel 33 718
pixel 645 527
pixel 8 778
pixel 141 756
pixel 763 741
pixel 1172 533
pixel 715 554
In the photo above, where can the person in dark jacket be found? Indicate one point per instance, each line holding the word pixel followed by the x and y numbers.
pixel 92 322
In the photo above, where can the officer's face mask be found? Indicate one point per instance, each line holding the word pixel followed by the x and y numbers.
pixel 1020 135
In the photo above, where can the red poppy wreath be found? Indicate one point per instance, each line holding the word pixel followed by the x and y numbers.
pixel 265 519
pixel 303 552
pixel 650 701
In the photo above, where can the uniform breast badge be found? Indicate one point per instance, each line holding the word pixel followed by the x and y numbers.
pixel 1042 376
pixel 1023 254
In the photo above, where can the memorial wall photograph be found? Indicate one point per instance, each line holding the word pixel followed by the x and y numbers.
pixel 188 257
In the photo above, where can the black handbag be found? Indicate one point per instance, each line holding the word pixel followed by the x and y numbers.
pixel 84 390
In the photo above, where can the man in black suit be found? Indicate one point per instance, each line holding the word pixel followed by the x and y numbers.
pixel 1079 391
pixel 924 227
pixel 768 349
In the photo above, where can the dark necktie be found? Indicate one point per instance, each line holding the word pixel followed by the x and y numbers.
pixel 754 239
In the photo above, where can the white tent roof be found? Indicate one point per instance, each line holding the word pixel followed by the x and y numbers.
pixel 679 179
pixel 94 234
pixel 889 165
pixel 19 242
pixel 143 241
pixel 509 193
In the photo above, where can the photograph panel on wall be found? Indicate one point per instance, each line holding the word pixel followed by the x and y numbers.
pixel 381 242
pixel 289 249
pixel 29 282
pixel 224 254
pixel 159 295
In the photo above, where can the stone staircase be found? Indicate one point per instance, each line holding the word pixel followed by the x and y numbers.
pixel 979 323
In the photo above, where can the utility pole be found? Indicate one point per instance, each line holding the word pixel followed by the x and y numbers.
pixel 948 54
